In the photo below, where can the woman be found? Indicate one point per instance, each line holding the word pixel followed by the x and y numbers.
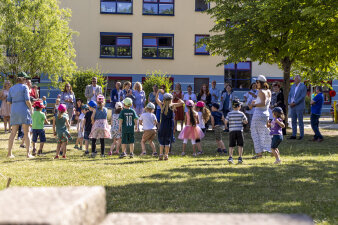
pixel 21 112
pixel 260 133
pixel 140 98
pixel 280 102
pixel 205 95
pixel 179 113
pixel 68 98
pixel 5 110
pixel 127 92
pixel 152 95
pixel 226 100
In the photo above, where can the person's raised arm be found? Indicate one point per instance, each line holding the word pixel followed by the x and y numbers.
pixel 158 101
pixel 178 104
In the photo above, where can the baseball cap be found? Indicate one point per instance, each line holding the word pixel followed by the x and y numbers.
pixel 261 78
pixel 167 96
pixel 118 105
pixel 127 101
pixel 39 104
pixel 92 104
pixel 277 110
pixel 62 108
pixel 200 104
pixel 216 105
pixel 150 106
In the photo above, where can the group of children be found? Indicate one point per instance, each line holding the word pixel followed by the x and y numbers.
pixel 93 125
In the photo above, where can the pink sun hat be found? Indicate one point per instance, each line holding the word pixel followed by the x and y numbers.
pixel 62 108
pixel 189 103
pixel 200 104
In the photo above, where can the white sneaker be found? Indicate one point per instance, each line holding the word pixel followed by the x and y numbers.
pixel 278 161
pixel 29 156
pixel 11 157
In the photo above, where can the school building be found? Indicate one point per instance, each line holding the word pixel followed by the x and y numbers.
pixel 128 39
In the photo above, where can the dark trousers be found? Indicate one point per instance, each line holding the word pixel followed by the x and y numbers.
pixel 315 126
pixel 94 145
pixel 20 132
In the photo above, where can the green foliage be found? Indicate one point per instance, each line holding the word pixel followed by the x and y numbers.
pixel 158 78
pixel 36 38
pixel 82 78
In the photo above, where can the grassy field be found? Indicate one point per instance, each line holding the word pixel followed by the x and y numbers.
pixel 306 182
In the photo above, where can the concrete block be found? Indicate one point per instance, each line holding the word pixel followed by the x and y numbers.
pixel 53 206
pixel 205 219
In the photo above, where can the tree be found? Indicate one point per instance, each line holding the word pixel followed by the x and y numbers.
pixel 36 38
pixel 158 78
pixel 282 32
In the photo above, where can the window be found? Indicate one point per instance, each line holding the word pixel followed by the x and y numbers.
pixel 238 75
pixel 158 7
pixel 117 6
pixel 158 46
pixel 116 45
pixel 201 5
pixel 200 50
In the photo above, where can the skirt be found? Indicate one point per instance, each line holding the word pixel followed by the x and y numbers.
pixel 100 129
pixel 5 109
pixel 192 133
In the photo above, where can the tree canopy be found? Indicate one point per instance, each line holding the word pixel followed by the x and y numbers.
pixel 36 38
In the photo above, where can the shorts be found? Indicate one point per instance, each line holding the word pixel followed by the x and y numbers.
pixel 218 132
pixel 128 138
pixel 236 138
pixel 276 140
pixel 39 133
pixel 80 134
pixel 115 134
pixel 149 135
pixel 86 135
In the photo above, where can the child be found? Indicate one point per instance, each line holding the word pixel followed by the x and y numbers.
pixel 127 121
pixel 191 131
pixel 235 120
pixel 44 101
pixel 57 104
pixel 87 124
pixel 203 118
pixel 101 128
pixel 166 127
pixel 79 127
pixel 217 120
pixel 276 126
pixel 115 133
pixel 60 130
pixel 149 122
pixel 39 118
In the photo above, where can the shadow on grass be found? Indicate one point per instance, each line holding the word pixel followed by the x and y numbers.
pixel 305 187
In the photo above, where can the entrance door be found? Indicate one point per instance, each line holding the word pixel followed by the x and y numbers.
pixel 198 82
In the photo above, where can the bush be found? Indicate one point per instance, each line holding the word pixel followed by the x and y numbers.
pixel 158 78
pixel 82 78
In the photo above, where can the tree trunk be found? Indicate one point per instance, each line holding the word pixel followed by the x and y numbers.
pixel 286 65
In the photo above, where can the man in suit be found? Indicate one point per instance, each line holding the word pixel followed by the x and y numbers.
pixel 93 90
pixel 296 102
pixel 116 95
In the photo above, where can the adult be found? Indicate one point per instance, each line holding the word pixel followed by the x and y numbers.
pixel 116 95
pixel 127 92
pixel 260 133
pixel 21 112
pixel 204 95
pixel 249 97
pixel 226 100
pixel 68 98
pixel 215 93
pixel 140 98
pixel 93 90
pixel 316 111
pixel 189 96
pixel 179 113
pixel 152 96
pixel 296 102
pixel 5 110
pixel 280 101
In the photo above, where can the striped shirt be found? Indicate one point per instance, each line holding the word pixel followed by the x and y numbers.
pixel 235 120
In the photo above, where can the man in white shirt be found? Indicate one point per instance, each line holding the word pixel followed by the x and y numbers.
pixel 215 94
pixel 189 96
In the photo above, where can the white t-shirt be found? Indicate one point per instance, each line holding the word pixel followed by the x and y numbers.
pixel 189 97
pixel 94 96
pixel 148 120
pixel 200 120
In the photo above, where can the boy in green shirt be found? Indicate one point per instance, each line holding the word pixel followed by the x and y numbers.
pixel 39 118
pixel 127 121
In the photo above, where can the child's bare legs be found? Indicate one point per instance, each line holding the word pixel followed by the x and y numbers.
pixel 231 151
pixel 184 146
pixel 117 145
pixel 275 152
pixel 240 151
pixel 11 139
pixel 143 146
pixel 194 148
pixel 41 145
pixel 199 147
pixel 87 145
pixel 27 138
pixel 81 142
pixel 124 146
pixel 6 119
pixel 58 148
pixel 34 145
pixel 161 149
pixel 131 148
pixel 220 144
pixel 152 145
pixel 64 148
pixel 166 148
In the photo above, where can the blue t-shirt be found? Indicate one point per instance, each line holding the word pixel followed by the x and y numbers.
pixel 316 108
pixel 217 117
pixel 101 114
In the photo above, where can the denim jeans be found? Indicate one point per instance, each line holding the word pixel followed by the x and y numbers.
pixel 315 126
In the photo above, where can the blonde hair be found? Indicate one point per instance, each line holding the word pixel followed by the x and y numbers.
pixel 206 114
pixel 166 106
pixel 137 86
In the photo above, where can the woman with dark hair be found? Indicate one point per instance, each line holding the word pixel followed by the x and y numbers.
pixel 68 98
pixel 204 95
pixel 260 133
pixel 226 100
pixel 21 112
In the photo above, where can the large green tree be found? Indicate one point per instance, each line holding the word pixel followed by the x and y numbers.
pixel 36 38
pixel 283 32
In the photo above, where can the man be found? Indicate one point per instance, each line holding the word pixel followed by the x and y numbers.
pixel 116 95
pixel 296 102
pixel 93 90
pixel 189 96
pixel 214 92
pixel 316 111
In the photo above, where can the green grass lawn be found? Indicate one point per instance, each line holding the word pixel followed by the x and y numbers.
pixel 306 182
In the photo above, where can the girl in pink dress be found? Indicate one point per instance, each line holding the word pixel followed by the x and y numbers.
pixel 5 110
pixel 191 131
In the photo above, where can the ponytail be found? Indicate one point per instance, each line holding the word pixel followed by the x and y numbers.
pixel 192 116
pixel 206 114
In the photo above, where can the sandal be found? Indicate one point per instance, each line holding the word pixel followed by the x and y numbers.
pixel 166 157
pixel 116 153
pixel 257 157
pixel 143 153
pixel 160 157
pixel 22 146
